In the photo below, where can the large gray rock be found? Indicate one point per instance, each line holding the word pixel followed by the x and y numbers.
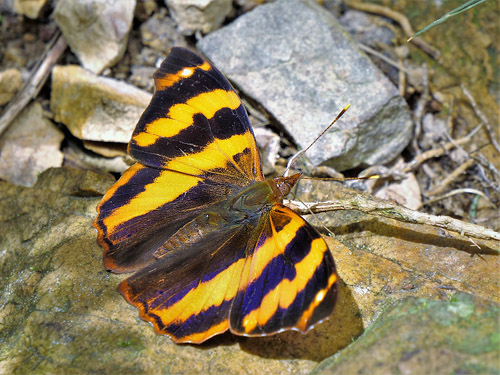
pixel 96 30
pixel 96 108
pixel 295 59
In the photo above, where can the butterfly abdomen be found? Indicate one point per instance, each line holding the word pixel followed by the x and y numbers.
pixel 191 233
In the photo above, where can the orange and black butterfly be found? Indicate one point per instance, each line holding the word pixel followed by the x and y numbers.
pixel 207 238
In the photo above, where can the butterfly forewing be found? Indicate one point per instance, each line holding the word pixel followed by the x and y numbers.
pixel 196 124
pixel 145 207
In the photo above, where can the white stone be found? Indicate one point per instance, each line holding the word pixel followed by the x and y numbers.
pixel 29 146
pixel 96 108
pixel 198 15
pixel 96 30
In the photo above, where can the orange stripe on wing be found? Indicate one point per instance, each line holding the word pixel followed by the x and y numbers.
pixel 161 191
pixel 180 116
pixel 271 248
pixel 283 295
pixel 215 155
pixel 124 179
pixel 205 295
pixel 202 336
pixel 167 80
pixel 303 322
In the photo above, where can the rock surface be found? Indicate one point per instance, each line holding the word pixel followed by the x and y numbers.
pixel 29 146
pixel 95 108
pixel 268 143
pixel 56 299
pixel 96 30
pixel 10 83
pixel 405 192
pixel 78 183
pixel 459 336
pixel 159 32
pixel 192 16
pixel 29 8
pixel 365 29
pixel 295 59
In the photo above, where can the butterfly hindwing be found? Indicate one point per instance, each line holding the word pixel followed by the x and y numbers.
pixel 274 274
pixel 289 280
pixel 188 293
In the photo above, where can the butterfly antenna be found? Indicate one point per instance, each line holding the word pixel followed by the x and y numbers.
pixel 370 177
pixel 295 157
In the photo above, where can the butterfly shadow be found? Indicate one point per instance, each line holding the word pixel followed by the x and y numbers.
pixel 322 341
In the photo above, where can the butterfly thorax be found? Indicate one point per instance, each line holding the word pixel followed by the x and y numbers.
pixel 243 208
pixel 262 193
pixel 252 199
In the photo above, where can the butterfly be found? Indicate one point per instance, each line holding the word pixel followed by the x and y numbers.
pixel 207 240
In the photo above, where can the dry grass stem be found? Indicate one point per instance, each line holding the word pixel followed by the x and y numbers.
pixel 377 54
pixel 373 206
pixel 35 82
pixel 437 152
pixel 400 19
pixel 459 191
pixel 482 117
pixel 451 178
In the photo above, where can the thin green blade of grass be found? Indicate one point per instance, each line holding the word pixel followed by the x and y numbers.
pixel 462 8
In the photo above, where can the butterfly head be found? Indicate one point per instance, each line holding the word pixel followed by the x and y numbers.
pixel 282 185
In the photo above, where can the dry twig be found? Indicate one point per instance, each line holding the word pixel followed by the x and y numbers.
pixel 35 82
pixel 371 51
pixel 418 112
pixel 487 164
pixel 483 118
pixel 482 161
pixel 459 191
pixel 451 177
pixel 386 209
pixel 436 152
pixel 401 79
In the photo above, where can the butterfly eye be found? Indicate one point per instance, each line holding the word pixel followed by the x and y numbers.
pixel 282 185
